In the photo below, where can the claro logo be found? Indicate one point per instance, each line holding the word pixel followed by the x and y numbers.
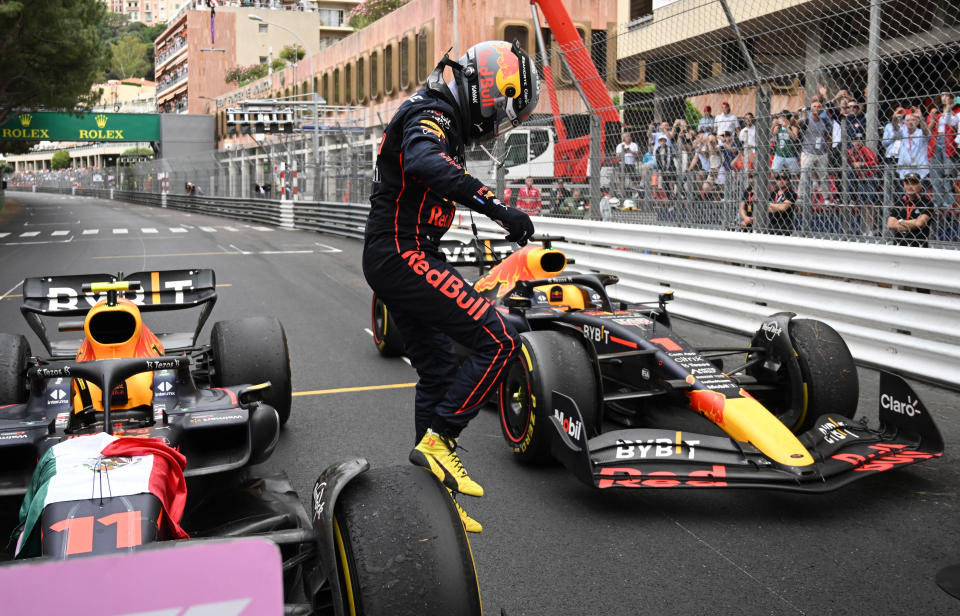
pixel 909 408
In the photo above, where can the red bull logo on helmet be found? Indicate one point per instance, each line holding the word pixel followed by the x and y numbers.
pixel 498 69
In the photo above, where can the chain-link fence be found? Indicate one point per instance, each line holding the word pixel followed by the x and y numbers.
pixel 780 116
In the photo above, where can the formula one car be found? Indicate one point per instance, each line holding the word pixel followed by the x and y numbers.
pixel 164 454
pixel 612 392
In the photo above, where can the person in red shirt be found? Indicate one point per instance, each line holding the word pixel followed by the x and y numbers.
pixel 528 198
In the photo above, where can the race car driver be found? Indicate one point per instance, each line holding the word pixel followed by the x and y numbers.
pixel 419 177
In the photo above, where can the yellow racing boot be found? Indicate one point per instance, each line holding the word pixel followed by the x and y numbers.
pixel 469 524
pixel 439 455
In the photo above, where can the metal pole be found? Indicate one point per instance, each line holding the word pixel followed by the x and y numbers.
pixel 873 78
pixel 456 30
pixel 596 127
pixel 316 147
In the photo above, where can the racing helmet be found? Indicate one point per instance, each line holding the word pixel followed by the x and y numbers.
pixel 497 87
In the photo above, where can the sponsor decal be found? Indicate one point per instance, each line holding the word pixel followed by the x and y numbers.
pixel 430 128
pixel 910 407
pixel 616 477
pixel 50 373
pixel 318 502
pixel 198 419
pixel 57 396
pixel 163 364
pixel 832 433
pixel 12 436
pixel 633 321
pixel 441 120
pixel 702 371
pixel 656 448
pixel 596 334
pixel 451 286
pixel 771 330
pixel 645 374
pixel 884 457
pixel 66 298
pixel 61 420
pixel 441 217
pixel 573 427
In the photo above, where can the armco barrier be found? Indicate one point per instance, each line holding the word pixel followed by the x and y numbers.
pixel 868 292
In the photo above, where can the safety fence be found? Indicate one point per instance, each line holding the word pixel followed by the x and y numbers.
pixel 896 306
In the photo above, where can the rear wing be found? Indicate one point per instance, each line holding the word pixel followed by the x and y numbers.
pixel 67 296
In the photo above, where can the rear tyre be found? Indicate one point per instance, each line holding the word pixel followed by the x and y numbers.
pixel 385 334
pixel 829 382
pixel 549 361
pixel 250 351
pixel 401 546
pixel 14 355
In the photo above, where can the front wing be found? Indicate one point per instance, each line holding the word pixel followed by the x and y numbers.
pixel 843 450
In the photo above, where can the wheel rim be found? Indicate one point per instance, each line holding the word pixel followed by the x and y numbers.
pixel 346 579
pixel 515 409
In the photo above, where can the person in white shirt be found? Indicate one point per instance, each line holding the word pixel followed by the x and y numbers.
pixel 627 154
pixel 748 137
pixel 726 121
pixel 914 137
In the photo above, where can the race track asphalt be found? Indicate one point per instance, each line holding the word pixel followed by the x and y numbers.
pixel 550 545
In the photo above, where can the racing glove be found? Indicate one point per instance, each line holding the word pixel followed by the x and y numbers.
pixel 518 225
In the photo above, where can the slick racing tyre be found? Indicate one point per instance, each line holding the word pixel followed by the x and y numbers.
pixel 401 546
pixel 549 361
pixel 14 354
pixel 250 351
pixel 385 334
pixel 828 384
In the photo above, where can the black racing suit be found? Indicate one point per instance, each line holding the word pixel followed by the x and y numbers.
pixel 419 175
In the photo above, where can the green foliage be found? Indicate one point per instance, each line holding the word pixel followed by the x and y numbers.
pixel 116 27
pixel 278 64
pixel 692 114
pixel 6 167
pixel 369 11
pixel 129 57
pixel 242 75
pixel 139 151
pixel 292 53
pixel 60 160
pixel 51 54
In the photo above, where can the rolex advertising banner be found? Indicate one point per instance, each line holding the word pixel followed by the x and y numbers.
pixel 48 126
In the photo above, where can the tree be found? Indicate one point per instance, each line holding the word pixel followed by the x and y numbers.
pixel 293 53
pixel 51 54
pixel 369 11
pixel 60 160
pixel 129 57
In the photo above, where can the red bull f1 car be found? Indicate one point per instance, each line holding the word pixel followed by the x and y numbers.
pixel 612 392
pixel 162 456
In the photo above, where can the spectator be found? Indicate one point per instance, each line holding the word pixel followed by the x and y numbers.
pixel 575 206
pixel 726 121
pixel 913 156
pixel 627 154
pixel 785 134
pixel 605 205
pixel 856 121
pixel 816 127
pixel 715 158
pixel 748 139
pixel 782 206
pixel 909 222
pixel 188 188
pixel 890 142
pixel 664 130
pixel 560 193
pixel 663 157
pixel 746 206
pixel 728 153
pixel 507 195
pixel 528 198
pixel 705 125
pixel 942 150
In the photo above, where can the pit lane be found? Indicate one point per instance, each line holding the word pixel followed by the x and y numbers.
pixel 549 546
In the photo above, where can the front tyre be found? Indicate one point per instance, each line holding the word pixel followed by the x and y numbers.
pixel 549 361
pixel 828 382
pixel 250 351
pixel 402 548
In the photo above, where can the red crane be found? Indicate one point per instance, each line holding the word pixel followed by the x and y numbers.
pixel 573 153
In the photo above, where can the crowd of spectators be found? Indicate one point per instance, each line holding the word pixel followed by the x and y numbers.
pixel 826 175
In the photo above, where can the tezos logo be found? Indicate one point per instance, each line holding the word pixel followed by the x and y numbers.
pixel 318 502
pixel 909 408
pixel 771 330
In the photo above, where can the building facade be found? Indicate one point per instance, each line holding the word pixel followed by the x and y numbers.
pixel 200 47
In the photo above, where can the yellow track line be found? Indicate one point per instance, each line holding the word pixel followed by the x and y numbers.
pixel 341 390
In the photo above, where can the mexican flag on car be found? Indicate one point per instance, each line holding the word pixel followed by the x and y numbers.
pixel 102 465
